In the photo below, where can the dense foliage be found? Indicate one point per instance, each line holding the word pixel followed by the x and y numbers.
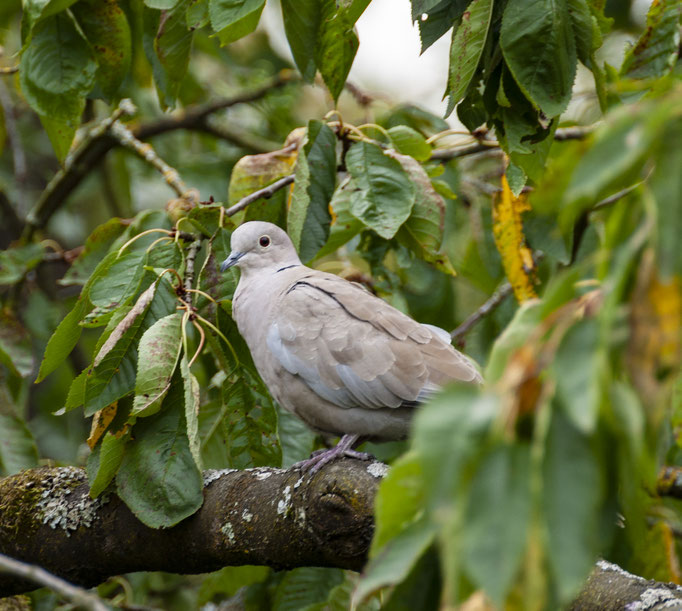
pixel 558 216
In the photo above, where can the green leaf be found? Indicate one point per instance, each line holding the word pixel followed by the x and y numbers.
pixel 197 14
pixel 395 560
pixel 112 375
pixel 344 225
pixel 158 478
pixel 468 41
pixel 655 53
pixel 110 458
pixel 16 262
pixel 538 45
pixel 167 45
pixel 64 339
pixel 57 70
pixel 253 172
pixel 499 502
pixel 158 354
pixel 576 370
pixel 408 141
pixel 308 219
pixel 233 19
pixel 385 194
pixel 302 22
pixel 305 586
pixel 17 448
pixel 586 28
pixel 16 351
pixel 95 248
pixel 224 583
pixel 625 143
pixel 105 26
pixel 422 233
pixel 449 433
pixel 338 45
pixel 119 283
pixel 515 335
pixel 399 502
pixel 295 438
pixel 251 422
pixel 35 10
pixel 76 394
pixel 573 497
pixel 666 185
pixel 191 392
pixel 440 18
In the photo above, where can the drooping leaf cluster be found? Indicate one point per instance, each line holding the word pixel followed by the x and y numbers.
pixel 514 489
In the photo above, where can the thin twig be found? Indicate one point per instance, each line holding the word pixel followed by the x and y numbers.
pixel 612 199
pixel 78 164
pixel 265 192
pixel 77 596
pixel 126 138
pixel 577 132
pixel 490 304
pixel 9 69
pixel 192 252
pixel 195 116
pixel 98 143
pixel 563 134
pixel 446 154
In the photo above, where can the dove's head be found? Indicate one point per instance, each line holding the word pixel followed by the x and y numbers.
pixel 257 245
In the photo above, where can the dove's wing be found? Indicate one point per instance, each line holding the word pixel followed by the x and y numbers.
pixel 355 350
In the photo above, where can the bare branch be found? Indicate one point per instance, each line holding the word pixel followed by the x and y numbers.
pixel 488 306
pixel 265 516
pixel 9 70
pixel 99 142
pixel 127 139
pixel 265 192
pixel 78 596
pixel 445 154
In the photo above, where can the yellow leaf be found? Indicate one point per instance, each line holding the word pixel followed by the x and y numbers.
pixel 655 351
pixel 100 421
pixel 517 258
pixel 253 172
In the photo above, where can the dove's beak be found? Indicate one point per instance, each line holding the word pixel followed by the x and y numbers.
pixel 231 260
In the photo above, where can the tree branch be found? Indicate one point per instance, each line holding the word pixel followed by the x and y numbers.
pixel 563 134
pixel 488 306
pixel 99 142
pixel 610 588
pixel 260 516
pixel 265 516
pixel 39 576
pixel 265 192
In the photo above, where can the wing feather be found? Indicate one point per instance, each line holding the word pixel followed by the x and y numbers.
pixel 355 350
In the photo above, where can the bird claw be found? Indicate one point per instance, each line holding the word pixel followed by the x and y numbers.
pixel 320 458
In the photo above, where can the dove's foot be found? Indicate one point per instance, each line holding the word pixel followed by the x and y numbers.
pixel 320 458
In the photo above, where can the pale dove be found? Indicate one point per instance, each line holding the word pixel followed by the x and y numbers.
pixel 341 359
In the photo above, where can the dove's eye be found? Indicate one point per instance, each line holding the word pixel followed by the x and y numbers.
pixel 264 241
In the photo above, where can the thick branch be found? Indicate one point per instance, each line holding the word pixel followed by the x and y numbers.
pixel 610 588
pixel 261 516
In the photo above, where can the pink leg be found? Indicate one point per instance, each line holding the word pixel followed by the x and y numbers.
pixel 320 458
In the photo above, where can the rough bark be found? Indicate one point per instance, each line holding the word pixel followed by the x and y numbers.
pixel 258 516
pixel 610 588
pixel 261 516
